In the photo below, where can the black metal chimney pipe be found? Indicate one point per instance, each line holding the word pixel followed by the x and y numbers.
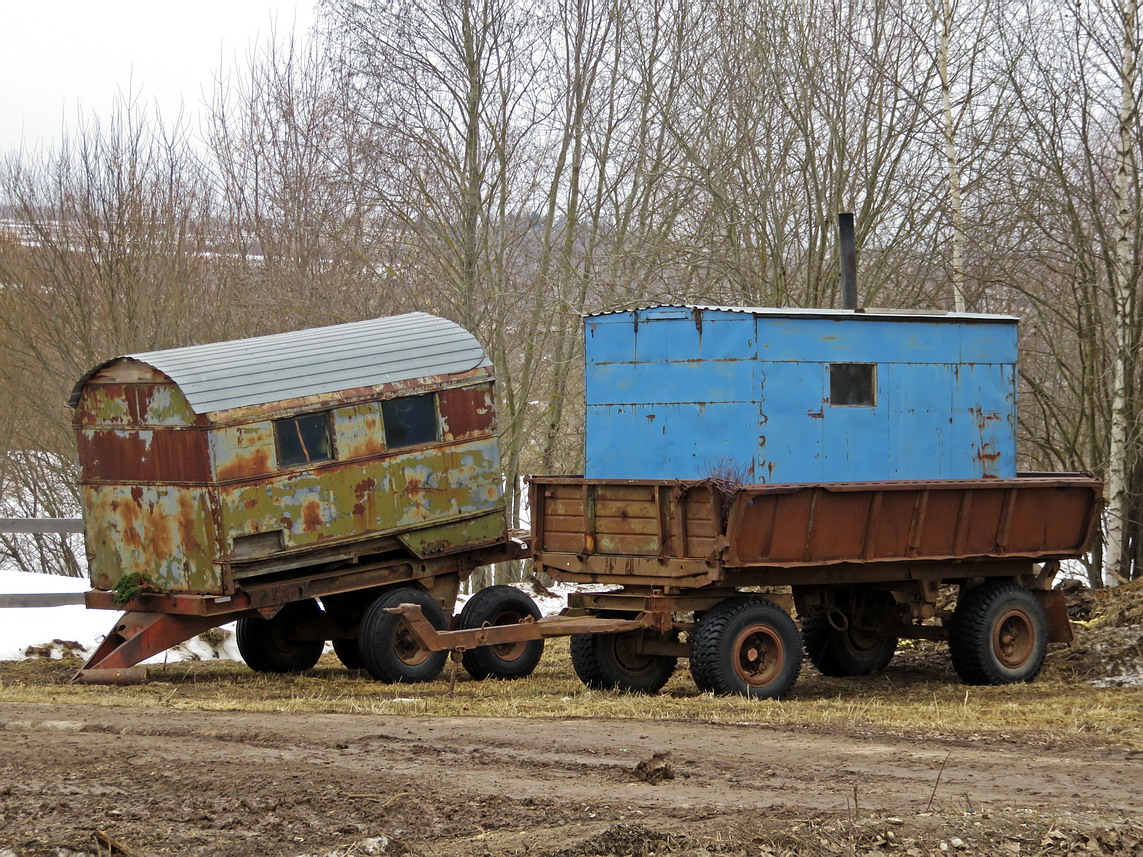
pixel 848 261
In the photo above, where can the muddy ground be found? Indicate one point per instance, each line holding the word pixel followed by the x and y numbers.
pixel 209 783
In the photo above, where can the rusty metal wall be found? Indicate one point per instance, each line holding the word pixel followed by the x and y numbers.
pixel 145 479
pixel 169 495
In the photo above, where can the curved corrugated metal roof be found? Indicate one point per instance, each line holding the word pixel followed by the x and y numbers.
pixel 221 376
pixel 903 314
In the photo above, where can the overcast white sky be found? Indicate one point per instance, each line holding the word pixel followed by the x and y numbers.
pixel 58 57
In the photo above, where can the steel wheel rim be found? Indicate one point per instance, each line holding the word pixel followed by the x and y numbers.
pixel 758 654
pixel 1014 639
pixel 864 641
pixel 406 647
pixel 509 651
pixel 627 659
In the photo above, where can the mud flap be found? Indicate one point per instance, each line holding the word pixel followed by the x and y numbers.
pixel 1056 610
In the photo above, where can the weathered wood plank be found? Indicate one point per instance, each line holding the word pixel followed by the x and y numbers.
pixel 41 525
pixel 42 599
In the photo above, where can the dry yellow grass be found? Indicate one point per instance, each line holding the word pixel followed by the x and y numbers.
pixel 918 695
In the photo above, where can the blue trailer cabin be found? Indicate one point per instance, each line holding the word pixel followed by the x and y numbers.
pixel 799 395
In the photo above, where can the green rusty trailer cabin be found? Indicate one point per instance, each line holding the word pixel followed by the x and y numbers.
pixel 250 473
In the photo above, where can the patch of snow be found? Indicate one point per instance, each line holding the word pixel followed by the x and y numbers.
pixel 74 630
pixel 1128 679
pixel 54 631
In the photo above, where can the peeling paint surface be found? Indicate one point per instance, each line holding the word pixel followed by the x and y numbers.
pixel 164 532
pixel 242 451
pixel 166 491
pixel 358 431
pixel 353 500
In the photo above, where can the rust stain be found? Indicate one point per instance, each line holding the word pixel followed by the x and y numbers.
pixel 311 516
pixel 467 412
pixel 187 520
pixel 160 535
pixel 254 464
pixel 364 488
pixel 153 455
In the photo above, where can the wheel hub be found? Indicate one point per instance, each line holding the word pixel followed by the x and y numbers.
pixel 1014 639
pixel 509 651
pixel 406 647
pixel 758 655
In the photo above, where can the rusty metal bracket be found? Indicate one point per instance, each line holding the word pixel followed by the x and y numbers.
pixel 137 636
pixel 494 635
pixel 1056 611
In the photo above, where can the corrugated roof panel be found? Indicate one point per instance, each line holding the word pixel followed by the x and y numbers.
pixel 900 314
pixel 237 373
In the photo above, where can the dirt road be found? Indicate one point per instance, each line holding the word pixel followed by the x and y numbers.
pixel 198 783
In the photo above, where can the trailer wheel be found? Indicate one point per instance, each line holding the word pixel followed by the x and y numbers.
pixel 389 651
pixel 500 605
pixel 848 650
pixel 747 646
pixel 349 653
pixel 998 635
pixel 610 662
pixel 266 646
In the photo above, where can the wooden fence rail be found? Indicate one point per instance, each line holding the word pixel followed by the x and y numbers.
pixel 59 526
pixel 41 525
pixel 42 599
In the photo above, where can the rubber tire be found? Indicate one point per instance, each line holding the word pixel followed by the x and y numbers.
pixel 500 605
pixel 602 664
pixel 383 637
pixel 348 653
pixel 980 614
pixel 714 657
pixel 264 646
pixel 836 653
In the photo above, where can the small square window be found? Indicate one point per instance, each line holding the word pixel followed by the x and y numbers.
pixel 853 385
pixel 303 439
pixel 410 421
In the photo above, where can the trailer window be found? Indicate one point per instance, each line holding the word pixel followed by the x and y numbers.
pixel 304 439
pixel 410 421
pixel 853 385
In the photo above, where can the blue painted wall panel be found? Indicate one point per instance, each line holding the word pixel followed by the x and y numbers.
pixel 984 420
pixel 665 334
pixel 697 381
pixel 671 392
pixel 792 422
pixel 854 444
pixel 988 343
pixel 687 441
pixel 818 340
pixel 919 420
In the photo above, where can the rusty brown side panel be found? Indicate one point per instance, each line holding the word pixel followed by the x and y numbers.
pixel 789 526
pixel 697 533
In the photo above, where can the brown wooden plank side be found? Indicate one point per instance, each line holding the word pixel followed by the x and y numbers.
pixel 702 518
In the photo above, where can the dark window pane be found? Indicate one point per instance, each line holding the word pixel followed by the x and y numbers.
pixel 303 439
pixel 853 384
pixel 410 421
